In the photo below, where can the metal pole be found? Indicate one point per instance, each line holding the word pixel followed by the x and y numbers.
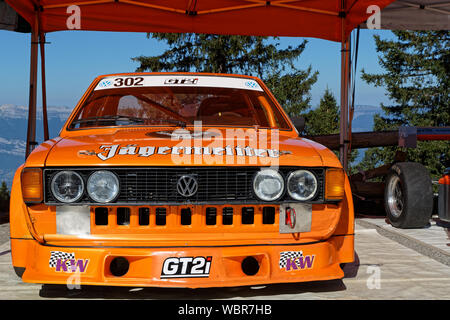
pixel 31 131
pixel 44 91
pixel 345 65
pixel 343 150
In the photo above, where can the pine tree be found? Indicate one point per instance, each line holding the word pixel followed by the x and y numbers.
pixel 417 78
pixel 325 118
pixel 256 56
pixel 4 193
pixel 4 198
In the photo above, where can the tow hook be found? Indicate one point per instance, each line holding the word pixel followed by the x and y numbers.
pixel 290 217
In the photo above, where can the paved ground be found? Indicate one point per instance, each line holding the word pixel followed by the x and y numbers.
pixel 4 233
pixel 384 269
pixel 432 241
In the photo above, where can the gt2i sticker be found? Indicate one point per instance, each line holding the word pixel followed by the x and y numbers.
pixel 66 262
pixel 181 81
pixel 295 260
pixel 186 267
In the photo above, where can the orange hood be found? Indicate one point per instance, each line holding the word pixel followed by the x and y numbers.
pixel 169 147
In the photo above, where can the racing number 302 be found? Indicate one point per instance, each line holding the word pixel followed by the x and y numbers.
pixel 128 82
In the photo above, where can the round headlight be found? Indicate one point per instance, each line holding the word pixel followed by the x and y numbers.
pixel 302 185
pixel 103 186
pixel 67 186
pixel 268 185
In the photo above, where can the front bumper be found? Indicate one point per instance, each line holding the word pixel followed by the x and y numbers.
pixel 172 266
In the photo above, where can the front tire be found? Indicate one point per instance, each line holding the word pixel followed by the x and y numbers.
pixel 19 271
pixel 408 195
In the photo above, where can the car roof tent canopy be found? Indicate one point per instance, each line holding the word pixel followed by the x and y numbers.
pixel 306 18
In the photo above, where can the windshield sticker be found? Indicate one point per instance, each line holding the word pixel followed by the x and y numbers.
pixel 178 81
pixel 181 81
pixel 251 84
pixel 105 84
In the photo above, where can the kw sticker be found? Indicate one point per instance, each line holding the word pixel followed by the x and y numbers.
pixel 66 262
pixel 295 260
pixel 186 267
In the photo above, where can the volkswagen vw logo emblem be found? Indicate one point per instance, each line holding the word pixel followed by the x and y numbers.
pixel 187 186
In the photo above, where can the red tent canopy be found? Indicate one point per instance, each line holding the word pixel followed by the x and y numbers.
pixel 304 18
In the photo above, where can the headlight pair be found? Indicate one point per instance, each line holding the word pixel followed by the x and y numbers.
pixel 68 186
pixel 269 185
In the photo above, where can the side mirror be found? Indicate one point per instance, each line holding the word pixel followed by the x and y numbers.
pixel 299 123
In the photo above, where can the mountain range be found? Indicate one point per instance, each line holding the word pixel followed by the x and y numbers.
pixel 13 134
pixel 13 131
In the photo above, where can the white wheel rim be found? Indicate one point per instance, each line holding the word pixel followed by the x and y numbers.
pixel 395 197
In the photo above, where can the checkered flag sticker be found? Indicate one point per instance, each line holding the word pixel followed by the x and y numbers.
pixel 289 254
pixel 55 255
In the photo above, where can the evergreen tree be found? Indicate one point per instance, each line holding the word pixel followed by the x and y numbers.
pixel 4 193
pixel 4 198
pixel 325 118
pixel 417 78
pixel 238 54
pixel 292 90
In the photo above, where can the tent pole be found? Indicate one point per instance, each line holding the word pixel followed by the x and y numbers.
pixel 44 91
pixel 343 150
pixel 31 131
pixel 345 65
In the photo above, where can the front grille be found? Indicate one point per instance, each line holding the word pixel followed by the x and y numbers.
pixel 158 185
pixel 151 218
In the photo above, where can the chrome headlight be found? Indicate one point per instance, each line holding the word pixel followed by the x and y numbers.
pixel 103 186
pixel 302 185
pixel 67 186
pixel 268 185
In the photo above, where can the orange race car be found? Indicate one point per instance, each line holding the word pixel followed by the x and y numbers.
pixel 180 180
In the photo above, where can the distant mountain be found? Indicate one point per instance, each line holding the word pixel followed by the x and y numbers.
pixel 363 122
pixel 13 133
pixel 363 117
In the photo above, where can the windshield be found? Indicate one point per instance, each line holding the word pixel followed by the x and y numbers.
pixel 146 102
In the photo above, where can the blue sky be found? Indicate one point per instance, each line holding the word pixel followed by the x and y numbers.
pixel 75 58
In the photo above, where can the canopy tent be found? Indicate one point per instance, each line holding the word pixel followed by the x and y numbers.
pixel 397 15
pixel 326 19
pixel 305 18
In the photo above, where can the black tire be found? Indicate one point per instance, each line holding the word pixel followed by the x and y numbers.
pixel 408 195
pixel 19 271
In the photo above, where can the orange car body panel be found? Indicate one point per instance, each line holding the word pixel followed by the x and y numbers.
pixel 34 237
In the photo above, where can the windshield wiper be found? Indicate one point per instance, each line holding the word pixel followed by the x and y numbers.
pixel 179 123
pixel 109 118
pixel 97 120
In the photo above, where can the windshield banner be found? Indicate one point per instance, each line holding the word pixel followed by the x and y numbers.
pixel 178 81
